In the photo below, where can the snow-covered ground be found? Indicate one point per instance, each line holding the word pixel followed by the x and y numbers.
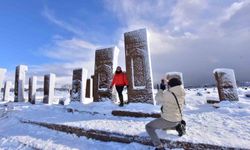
pixel 225 126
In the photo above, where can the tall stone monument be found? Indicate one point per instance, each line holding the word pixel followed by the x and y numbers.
pixel 32 89
pixel 6 92
pixel 105 65
pixel 226 84
pixel 89 88
pixel 138 67
pixel 79 85
pixel 49 88
pixel 2 73
pixel 20 82
pixel 178 75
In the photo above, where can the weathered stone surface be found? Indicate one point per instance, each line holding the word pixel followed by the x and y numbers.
pixel 79 85
pixel 20 82
pixel 6 93
pixel 105 63
pixel 49 88
pixel 226 84
pixel 89 88
pixel 178 75
pixel 32 89
pixel 2 74
pixel 138 67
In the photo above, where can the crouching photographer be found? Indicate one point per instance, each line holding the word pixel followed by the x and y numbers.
pixel 172 101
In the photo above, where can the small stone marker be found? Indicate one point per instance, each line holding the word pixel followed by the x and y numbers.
pixel 6 93
pixel 32 89
pixel 226 84
pixel 2 74
pixel 49 88
pixel 20 82
pixel 79 85
pixel 89 88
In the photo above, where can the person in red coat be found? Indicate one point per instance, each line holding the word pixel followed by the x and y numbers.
pixel 119 80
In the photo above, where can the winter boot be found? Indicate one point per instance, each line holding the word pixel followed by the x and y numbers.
pixel 121 100
pixel 180 129
pixel 159 148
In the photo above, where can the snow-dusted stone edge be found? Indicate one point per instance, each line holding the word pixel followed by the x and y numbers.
pixel 120 113
pixel 122 138
pixel 124 113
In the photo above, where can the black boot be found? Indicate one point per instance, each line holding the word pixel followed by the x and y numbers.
pixel 121 100
pixel 161 148
pixel 180 129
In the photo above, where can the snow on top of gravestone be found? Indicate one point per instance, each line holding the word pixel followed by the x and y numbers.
pixel 229 74
pixel 25 67
pixel 226 70
pixel 139 31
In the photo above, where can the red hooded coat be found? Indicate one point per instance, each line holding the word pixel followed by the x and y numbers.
pixel 120 79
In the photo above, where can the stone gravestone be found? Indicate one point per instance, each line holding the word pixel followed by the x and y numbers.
pixel 20 82
pixel 93 83
pixel 226 84
pixel 178 75
pixel 89 88
pixel 2 73
pixel 105 65
pixel 6 92
pixel 138 67
pixel 49 88
pixel 79 85
pixel 32 89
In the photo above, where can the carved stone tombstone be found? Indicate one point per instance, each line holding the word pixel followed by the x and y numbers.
pixel 226 84
pixel 2 73
pixel 49 88
pixel 89 88
pixel 93 85
pixel 138 67
pixel 20 82
pixel 79 85
pixel 105 63
pixel 32 89
pixel 178 75
pixel 6 92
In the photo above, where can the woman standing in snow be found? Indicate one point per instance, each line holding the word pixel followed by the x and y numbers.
pixel 172 101
pixel 119 80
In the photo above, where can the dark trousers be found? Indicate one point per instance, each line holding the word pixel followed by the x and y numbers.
pixel 119 90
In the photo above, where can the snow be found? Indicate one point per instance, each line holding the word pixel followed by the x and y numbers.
pixel 227 125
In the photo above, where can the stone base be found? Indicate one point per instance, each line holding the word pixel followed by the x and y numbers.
pixel 135 114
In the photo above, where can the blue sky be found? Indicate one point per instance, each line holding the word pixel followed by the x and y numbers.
pixel 193 37
pixel 26 27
